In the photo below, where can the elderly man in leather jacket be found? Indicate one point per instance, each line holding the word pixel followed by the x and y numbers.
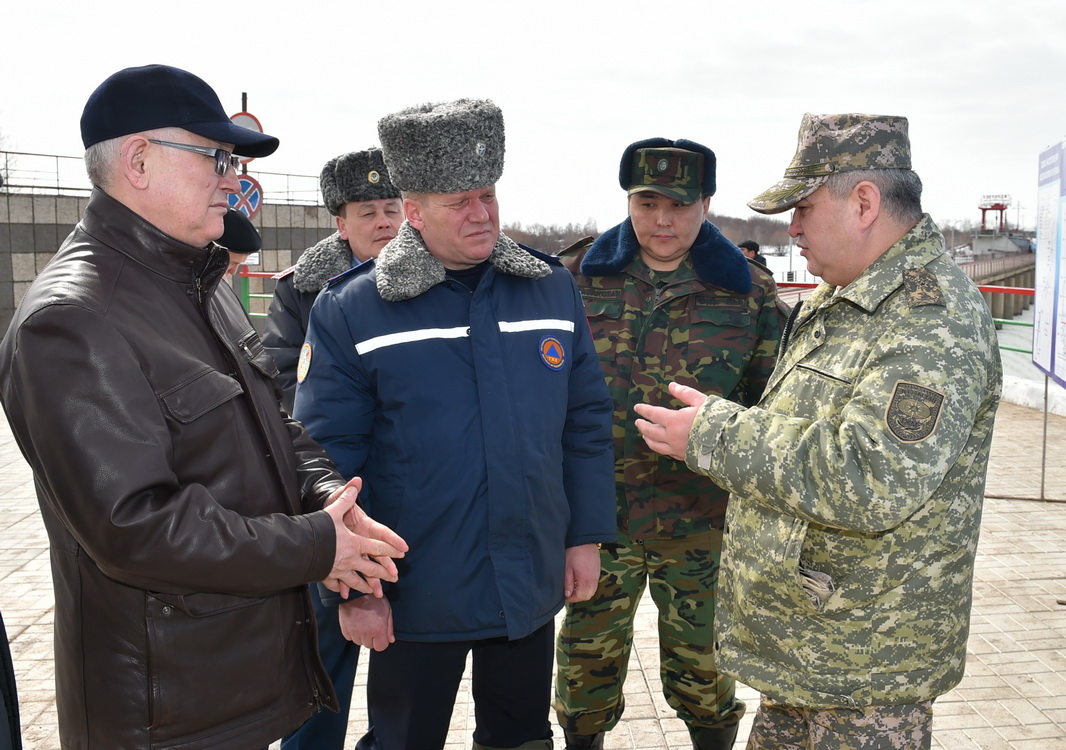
pixel 186 513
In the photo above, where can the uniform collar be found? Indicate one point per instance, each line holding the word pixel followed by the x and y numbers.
pixel 406 269
pixel 715 259
pixel 320 263
pixel 918 248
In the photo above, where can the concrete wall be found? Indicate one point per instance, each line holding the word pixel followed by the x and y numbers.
pixel 32 227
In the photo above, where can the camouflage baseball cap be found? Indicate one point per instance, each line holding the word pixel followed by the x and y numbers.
pixel 829 144
pixel 673 172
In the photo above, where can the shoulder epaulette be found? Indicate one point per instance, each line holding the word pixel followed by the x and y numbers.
pixel 582 244
pixel 282 274
pixel 922 287
pixel 546 257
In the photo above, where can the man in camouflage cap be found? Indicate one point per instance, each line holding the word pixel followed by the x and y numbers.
pixel 714 325
pixel 858 479
pixel 456 374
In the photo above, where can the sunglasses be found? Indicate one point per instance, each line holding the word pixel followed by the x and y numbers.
pixel 223 158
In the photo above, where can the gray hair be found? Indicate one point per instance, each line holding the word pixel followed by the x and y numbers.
pixel 100 159
pixel 901 190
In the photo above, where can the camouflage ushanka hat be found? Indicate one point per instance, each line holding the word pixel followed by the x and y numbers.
pixel 683 170
pixel 829 144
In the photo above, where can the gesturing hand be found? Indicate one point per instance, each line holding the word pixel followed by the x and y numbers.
pixel 365 548
pixel 666 430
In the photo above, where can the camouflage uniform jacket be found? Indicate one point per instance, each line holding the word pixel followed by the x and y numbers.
pixel 713 325
pixel 857 488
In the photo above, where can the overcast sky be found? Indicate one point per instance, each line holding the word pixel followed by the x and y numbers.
pixel 982 83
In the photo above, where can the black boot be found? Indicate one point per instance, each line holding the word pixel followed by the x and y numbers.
pixel 531 745
pixel 713 738
pixel 584 741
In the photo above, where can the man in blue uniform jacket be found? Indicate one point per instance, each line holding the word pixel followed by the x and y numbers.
pixel 457 376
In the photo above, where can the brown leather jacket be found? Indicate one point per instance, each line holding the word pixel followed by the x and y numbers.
pixel 179 500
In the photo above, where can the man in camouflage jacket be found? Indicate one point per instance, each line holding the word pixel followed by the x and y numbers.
pixel 858 479
pixel 668 298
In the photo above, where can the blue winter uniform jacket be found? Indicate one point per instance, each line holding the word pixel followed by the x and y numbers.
pixel 480 423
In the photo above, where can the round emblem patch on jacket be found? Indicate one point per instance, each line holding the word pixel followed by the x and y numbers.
pixel 304 363
pixel 552 353
pixel 913 412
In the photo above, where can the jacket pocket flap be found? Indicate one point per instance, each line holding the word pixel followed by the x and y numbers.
pixel 206 605
pixel 194 398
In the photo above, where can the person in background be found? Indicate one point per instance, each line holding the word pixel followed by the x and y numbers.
pixel 750 248
pixel 10 728
pixel 240 238
pixel 185 512
pixel 357 191
pixel 715 325
pixel 857 481
pixel 456 375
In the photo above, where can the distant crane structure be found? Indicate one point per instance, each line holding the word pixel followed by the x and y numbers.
pixel 998 203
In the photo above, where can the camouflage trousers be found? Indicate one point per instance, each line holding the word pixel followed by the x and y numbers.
pixel 781 727
pixel 596 637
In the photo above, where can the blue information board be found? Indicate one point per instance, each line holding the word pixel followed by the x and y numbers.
pixel 1049 315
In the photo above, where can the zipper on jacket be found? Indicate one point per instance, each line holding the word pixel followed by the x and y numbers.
pixel 786 334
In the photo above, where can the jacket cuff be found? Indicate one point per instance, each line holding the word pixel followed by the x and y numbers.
pixel 324 549
pixel 707 427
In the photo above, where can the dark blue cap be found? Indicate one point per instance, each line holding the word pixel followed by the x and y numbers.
pixel 625 168
pixel 159 96
pixel 239 235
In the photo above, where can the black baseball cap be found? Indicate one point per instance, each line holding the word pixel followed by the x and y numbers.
pixel 160 96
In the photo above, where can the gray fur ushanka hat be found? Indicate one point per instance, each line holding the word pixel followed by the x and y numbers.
pixel 355 177
pixel 448 147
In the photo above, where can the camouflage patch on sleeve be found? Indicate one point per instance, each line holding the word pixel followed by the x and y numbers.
pixel 922 287
pixel 913 412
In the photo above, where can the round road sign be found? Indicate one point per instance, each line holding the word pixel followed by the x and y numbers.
pixel 250 121
pixel 250 199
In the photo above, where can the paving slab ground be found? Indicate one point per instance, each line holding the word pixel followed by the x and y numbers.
pixel 1013 695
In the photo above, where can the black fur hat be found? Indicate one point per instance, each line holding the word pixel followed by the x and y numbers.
pixel 355 177
pixel 449 147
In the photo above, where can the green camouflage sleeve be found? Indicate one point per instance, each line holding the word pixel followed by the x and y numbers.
pixel 772 318
pixel 834 443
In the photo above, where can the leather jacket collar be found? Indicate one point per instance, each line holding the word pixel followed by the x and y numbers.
pixel 118 227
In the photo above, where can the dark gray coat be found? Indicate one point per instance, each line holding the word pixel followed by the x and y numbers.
pixel 295 293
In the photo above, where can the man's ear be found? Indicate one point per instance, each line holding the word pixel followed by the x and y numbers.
pixel 342 228
pixel 134 163
pixel 412 209
pixel 868 202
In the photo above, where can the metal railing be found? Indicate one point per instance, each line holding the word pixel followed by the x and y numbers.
pixel 247 295
pixel 47 174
